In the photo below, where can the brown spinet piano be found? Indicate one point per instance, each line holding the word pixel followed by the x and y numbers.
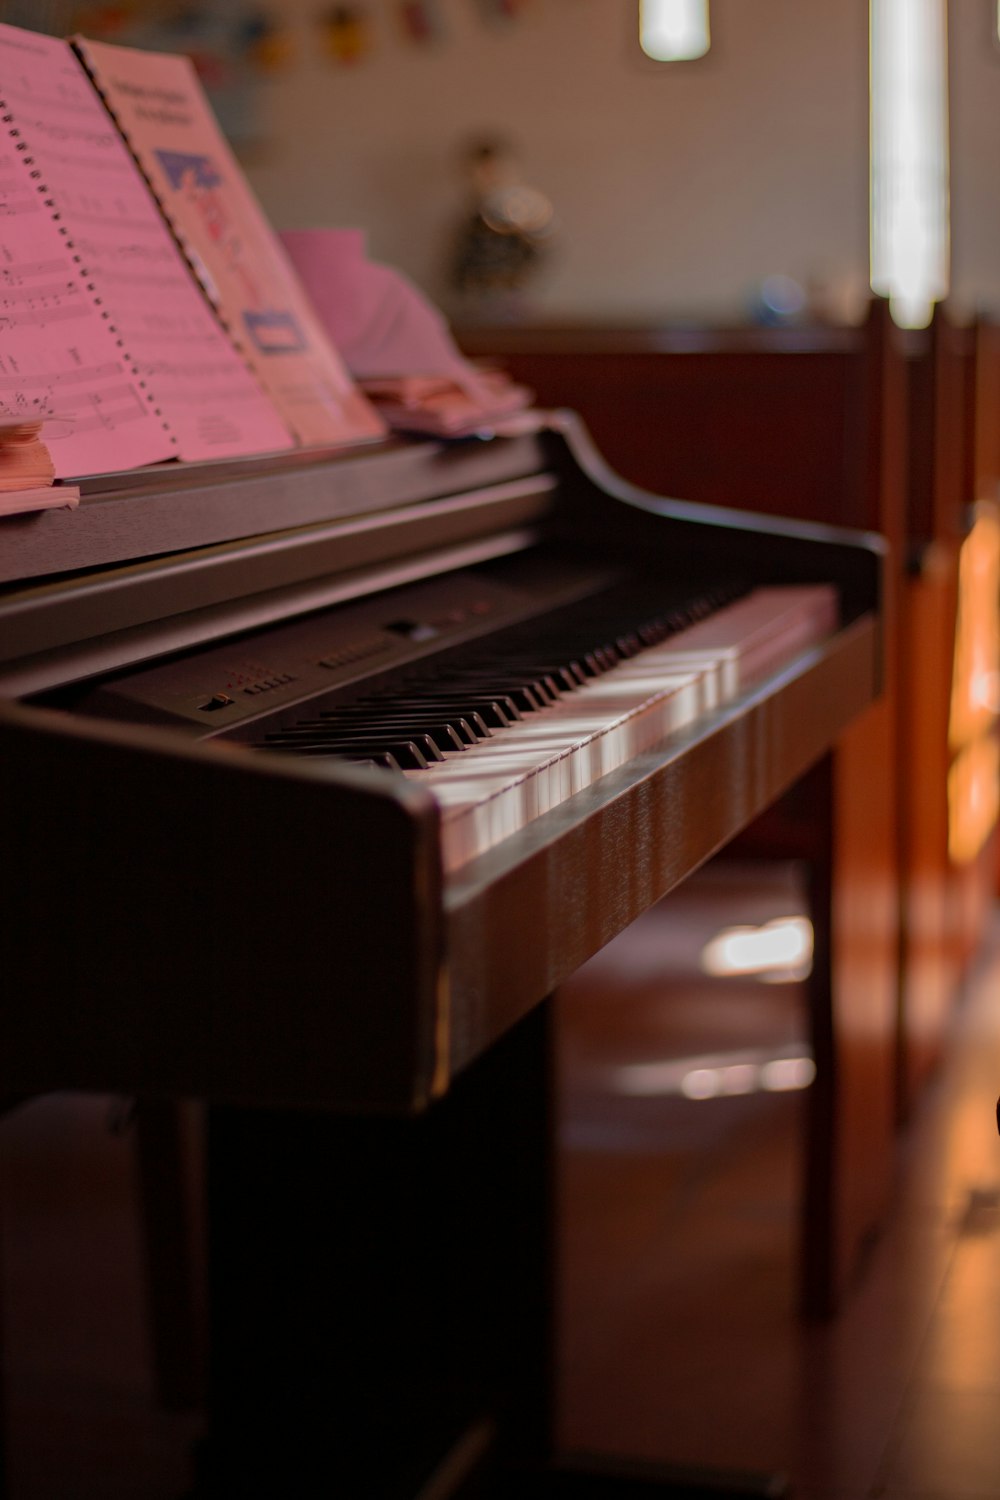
pixel 205 898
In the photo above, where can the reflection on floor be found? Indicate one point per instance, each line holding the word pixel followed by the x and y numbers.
pixel 680 1339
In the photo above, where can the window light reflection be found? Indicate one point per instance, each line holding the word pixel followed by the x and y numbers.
pixel 780 950
pixel 909 156
pixel 674 30
pixel 720 1076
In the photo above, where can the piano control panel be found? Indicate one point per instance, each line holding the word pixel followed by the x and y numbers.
pixel 218 689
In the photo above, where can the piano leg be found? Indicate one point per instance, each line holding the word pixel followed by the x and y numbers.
pixel 378 1287
pixel 381 1301
pixel 167 1135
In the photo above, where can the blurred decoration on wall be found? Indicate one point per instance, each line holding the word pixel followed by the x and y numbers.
pixel 504 234
pixel 500 12
pixel 235 45
pixel 779 301
pixel 226 38
pixel 347 34
pixel 421 22
pixel 39 15
pixel 104 23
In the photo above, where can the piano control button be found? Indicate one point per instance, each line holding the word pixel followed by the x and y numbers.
pixel 413 630
pixel 217 701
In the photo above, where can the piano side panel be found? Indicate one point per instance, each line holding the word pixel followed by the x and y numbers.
pixel 853 999
pixel 945 899
pixel 862 1078
pixel 656 534
pixel 528 914
pixel 180 921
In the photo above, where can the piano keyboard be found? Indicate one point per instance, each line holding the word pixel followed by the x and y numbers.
pixel 499 742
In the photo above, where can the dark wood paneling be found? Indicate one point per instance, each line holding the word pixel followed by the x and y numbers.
pixel 812 424
pixel 777 429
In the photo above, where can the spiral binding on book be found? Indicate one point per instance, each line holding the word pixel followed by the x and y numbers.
pixel 185 251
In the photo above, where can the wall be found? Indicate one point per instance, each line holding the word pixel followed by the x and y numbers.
pixel 975 145
pixel 677 188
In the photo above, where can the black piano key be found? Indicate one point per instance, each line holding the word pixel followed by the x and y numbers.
pixel 567 676
pixel 383 759
pixel 451 702
pixel 407 753
pixel 469 727
pixel 488 673
pixel 497 712
pixel 371 733
pixel 510 676
pixel 523 694
pixel 545 682
pixel 589 664
pixel 604 657
pixel 378 758
pixel 427 717
pixel 446 736
pixel 353 716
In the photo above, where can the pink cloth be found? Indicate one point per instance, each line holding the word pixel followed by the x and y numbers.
pixel 381 324
pixel 394 340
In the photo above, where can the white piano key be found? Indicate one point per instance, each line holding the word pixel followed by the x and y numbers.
pixel 498 789
pixel 491 790
pixel 756 634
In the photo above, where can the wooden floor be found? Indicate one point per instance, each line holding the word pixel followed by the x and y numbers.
pixel 680 1337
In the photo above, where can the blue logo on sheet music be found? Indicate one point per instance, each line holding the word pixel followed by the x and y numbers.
pixel 183 168
pixel 274 332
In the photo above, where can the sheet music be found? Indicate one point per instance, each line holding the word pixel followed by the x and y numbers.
pixel 58 356
pixel 201 385
pixel 161 110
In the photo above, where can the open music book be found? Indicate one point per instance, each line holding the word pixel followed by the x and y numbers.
pixel 144 298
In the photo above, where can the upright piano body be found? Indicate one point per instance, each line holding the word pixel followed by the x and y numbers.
pixel 189 916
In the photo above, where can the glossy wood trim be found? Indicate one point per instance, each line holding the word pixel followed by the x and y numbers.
pixel 525 916
pixel 171 507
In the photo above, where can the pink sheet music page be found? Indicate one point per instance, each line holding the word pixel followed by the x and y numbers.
pixel 162 111
pixel 202 387
pixel 59 353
